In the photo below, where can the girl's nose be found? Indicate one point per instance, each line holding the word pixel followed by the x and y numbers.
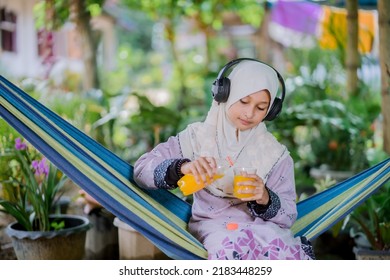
pixel 248 114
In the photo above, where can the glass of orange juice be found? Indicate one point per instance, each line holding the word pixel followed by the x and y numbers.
pixel 240 176
pixel 188 185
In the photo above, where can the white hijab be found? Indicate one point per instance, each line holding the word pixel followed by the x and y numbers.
pixel 216 136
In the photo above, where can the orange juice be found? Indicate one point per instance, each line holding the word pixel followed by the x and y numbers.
pixel 188 184
pixel 236 188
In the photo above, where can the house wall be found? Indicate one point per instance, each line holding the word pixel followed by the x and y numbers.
pixel 67 52
pixel 25 61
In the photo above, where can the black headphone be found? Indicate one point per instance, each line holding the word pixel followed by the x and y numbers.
pixel 221 88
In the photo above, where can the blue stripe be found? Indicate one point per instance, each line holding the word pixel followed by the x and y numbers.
pixel 177 206
pixel 169 200
pixel 108 202
pixel 74 149
pixel 311 203
pixel 166 245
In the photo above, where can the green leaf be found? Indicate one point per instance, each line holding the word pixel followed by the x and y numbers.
pixel 57 226
pixel 20 214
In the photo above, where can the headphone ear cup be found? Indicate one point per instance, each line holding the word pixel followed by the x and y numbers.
pixel 275 110
pixel 222 90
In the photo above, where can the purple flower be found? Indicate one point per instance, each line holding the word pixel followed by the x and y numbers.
pixel 19 144
pixel 41 167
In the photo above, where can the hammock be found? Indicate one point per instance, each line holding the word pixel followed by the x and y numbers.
pixel 159 215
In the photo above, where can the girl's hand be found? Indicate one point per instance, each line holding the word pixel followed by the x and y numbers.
pixel 89 201
pixel 203 169
pixel 260 193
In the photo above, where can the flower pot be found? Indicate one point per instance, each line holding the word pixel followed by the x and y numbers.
pixel 366 254
pixel 64 244
pixel 102 239
pixel 134 246
pixel 323 172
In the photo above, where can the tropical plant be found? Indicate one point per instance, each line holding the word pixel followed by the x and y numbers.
pixel 153 123
pixel 372 220
pixel 326 134
pixel 33 187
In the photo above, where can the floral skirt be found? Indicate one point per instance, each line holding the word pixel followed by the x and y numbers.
pixel 254 242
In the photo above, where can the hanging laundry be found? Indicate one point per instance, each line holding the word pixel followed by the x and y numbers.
pixel 302 24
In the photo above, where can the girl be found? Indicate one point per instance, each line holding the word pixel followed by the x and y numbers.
pixel 257 227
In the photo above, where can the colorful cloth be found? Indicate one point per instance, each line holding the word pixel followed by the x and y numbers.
pixel 334 29
pixel 295 24
pixel 301 24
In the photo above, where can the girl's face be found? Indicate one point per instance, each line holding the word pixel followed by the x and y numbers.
pixel 249 111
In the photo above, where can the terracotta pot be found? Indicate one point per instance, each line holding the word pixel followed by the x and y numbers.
pixel 64 244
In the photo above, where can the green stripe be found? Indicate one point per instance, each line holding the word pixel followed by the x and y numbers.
pixel 337 213
pixel 162 226
pixel 350 196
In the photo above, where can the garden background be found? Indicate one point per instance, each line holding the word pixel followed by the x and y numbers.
pixel 132 73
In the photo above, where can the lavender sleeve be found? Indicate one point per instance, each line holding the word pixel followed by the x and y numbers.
pixel 282 209
pixel 157 162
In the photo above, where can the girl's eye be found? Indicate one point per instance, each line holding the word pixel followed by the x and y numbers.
pixel 262 109
pixel 243 101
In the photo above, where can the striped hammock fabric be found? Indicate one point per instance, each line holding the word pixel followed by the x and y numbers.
pixel 157 214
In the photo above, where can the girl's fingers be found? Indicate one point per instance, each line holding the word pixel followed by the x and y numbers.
pixel 254 176
pixel 196 172
pixel 203 169
pixel 199 171
pixel 212 163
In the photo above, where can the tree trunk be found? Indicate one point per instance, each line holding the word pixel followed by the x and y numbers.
pixel 263 41
pixel 171 36
pixel 82 19
pixel 47 47
pixel 352 62
pixel 384 55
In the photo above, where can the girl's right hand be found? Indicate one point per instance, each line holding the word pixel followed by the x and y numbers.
pixel 203 169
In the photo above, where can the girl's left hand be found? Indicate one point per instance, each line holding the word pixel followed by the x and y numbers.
pixel 89 201
pixel 260 193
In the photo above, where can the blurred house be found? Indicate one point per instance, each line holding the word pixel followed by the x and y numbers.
pixel 19 40
pixel 28 52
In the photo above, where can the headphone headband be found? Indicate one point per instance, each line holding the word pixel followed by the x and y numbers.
pixel 221 87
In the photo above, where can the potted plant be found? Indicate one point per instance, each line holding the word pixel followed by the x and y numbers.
pixel 370 226
pixel 33 189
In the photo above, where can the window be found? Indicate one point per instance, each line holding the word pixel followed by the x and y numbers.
pixel 8 30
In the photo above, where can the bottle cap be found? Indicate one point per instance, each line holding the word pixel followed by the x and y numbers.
pixel 231 226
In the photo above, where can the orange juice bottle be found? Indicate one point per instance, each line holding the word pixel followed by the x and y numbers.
pixel 189 186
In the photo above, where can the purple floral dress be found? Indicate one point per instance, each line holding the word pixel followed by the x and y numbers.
pixel 228 227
